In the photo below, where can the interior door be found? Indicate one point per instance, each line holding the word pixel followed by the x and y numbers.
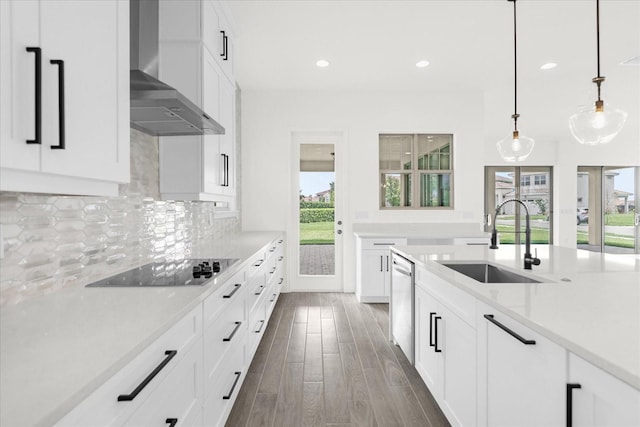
pixel 316 228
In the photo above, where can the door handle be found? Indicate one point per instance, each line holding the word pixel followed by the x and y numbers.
pixel 61 120
pixel 38 96
pixel 570 388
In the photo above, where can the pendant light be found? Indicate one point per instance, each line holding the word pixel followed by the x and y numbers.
pixel 515 147
pixel 599 124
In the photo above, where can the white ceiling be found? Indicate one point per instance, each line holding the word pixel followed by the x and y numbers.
pixel 469 43
pixel 374 45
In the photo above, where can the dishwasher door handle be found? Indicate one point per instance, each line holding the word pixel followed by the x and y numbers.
pixel 401 270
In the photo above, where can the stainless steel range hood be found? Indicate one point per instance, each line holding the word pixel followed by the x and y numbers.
pixel 157 108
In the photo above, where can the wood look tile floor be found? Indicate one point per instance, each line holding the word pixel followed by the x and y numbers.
pixel 325 360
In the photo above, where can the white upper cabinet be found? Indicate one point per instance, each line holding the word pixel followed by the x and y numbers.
pixel 64 78
pixel 197 167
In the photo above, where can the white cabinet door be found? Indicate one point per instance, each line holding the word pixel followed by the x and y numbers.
pixel 601 399
pixel 446 357
pixel 373 275
pixel 84 103
pixel 522 379
pixel 427 358
pixel 458 345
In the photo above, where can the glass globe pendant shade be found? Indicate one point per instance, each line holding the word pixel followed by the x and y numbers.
pixel 515 147
pixel 596 125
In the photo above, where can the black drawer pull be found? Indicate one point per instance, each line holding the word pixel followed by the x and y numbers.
pixel 273 297
pixel 260 291
pixel 233 387
pixel 38 96
pixel 171 421
pixel 225 46
pixel 435 327
pixel 230 337
pixel 281 280
pixel 272 249
pixel 280 241
pixel 280 258
pixel 490 318
pixel 257 331
pixel 570 388
pixel 127 397
pixel 258 263
pixel 273 270
pixel 431 344
pixel 235 289
pixel 61 120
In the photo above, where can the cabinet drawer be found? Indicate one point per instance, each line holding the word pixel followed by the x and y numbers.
pixel 223 334
pixel 177 397
pixel 102 407
pixel 257 265
pixel 382 243
pixel 256 289
pixel 232 291
pixel 227 381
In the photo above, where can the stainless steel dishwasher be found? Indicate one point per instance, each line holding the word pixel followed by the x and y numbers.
pixel 401 316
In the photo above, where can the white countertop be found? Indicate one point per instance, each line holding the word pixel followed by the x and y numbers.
pixel 433 231
pixel 595 315
pixel 56 349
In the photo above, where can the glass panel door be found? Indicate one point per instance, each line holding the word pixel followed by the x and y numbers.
pixel 317 209
pixel 619 209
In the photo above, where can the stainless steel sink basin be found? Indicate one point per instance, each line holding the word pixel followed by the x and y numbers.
pixel 487 273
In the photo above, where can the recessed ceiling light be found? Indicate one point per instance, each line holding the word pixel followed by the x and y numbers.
pixel 548 66
pixel 422 64
pixel 322 63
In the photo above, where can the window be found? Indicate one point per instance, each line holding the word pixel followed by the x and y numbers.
pixel 416 171
pixel 606 214
pixel 500 185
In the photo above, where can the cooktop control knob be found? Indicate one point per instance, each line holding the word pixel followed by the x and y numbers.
pixel 216 266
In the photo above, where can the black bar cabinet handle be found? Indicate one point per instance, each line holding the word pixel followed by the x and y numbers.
pixel 280 258
pixel 226 170
pixel 235 329
pixel 225 47
pixel 387 262
pixel 233 387
pixel 61 122
pixel 171 421
pixel 273 297
pixel 257 331
pixel 224 44
pixel 128 397
pixel 570 388
pixel 435 327
pixel 235 289
pixel 490 318
pixel 281 280
pixel 380 262
pixel 258 263
pixel 431 344
pixel 260 291
pixel 38 96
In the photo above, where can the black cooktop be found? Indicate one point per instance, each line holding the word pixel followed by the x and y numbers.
pixel 186 272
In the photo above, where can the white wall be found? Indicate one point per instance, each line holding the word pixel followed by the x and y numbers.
pixel 269 118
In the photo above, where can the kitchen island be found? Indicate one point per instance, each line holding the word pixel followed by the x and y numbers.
pixel 57 349
pixel 585 308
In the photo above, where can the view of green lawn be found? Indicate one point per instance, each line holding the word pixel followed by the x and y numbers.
pixel 619 219
pixel 317 233
pixel 507 237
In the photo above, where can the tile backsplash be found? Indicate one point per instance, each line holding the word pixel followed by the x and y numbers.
pixel 52 242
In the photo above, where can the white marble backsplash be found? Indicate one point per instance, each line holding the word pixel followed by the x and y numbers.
pixel 52 242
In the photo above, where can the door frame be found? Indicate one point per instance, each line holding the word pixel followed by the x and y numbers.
pixel 307 283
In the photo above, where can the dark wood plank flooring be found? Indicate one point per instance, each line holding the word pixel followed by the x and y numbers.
pixel 325 360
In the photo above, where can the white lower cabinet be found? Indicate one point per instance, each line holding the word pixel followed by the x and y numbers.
pixel 192 374
pixel 446 349
pixel 373 269
pixel 595 398
pixel 521 374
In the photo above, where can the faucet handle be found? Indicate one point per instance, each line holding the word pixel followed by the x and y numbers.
pixel 536 260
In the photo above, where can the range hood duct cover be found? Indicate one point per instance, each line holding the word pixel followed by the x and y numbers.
pixel 158 109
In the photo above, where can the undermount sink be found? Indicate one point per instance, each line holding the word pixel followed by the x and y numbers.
pixel 487 273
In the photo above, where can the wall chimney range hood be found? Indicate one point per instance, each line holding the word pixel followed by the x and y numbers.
pixel 158 109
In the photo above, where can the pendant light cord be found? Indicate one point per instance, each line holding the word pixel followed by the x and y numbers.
pixel 599 79
pixel 515 70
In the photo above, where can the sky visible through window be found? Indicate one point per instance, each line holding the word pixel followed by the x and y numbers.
pixel 312 183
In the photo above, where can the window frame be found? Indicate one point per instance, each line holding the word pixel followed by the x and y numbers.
pixel 415 173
